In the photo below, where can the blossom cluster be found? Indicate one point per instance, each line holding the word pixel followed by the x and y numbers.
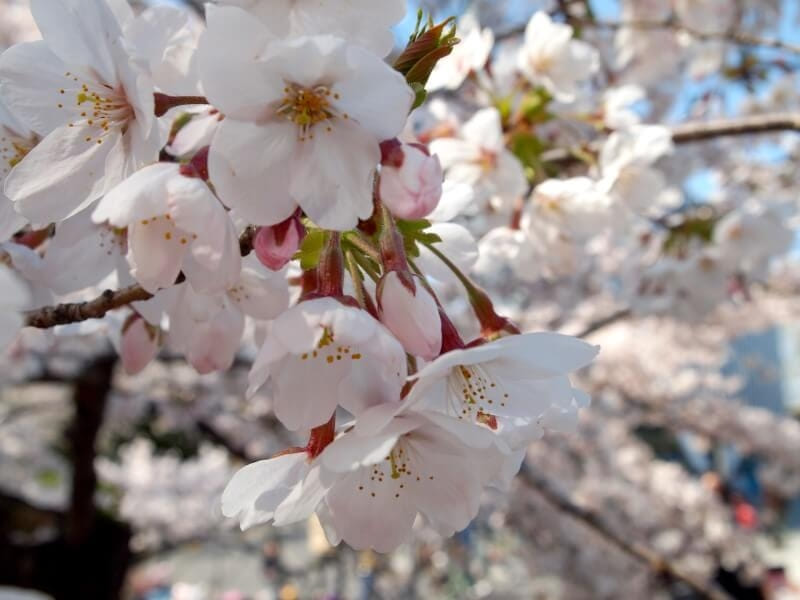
pixel 298 145
pixel 624 220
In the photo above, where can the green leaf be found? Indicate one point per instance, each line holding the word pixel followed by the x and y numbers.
pixel 414 233
pixel 425 48
pixel 411 227
pixel 528 149
pixel 310 250
pixel 534 106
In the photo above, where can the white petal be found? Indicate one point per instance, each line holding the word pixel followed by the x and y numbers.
pixel 256 490
pixel 456 197
pixel 141 196
pixel 214 261
pixel 303 500
pixel 369 516
pixel 353 451
pixel 250 169
pixel 547 352
pixel 333 182
pixel 81 253
pixel 214 343
pixel 304 391
pixel 233 80
pixel 80 32
pixel 261 294
pixel 60 176
pixel 374 94
pixel 485 130
pixel 10 220
pixel 31 78
pixel 155 260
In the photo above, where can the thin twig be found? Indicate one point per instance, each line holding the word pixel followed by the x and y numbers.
pixel 657 563
pixel 705 130
pixel 604 322
pixel 698 131
pixel 63 314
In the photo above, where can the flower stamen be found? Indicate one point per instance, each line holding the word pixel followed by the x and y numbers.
pixel 307 107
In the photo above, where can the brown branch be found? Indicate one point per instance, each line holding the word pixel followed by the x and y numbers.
pixel 694 132
pixel 657 563
pixel 604 322
pixel 63 314
pixel 246 240
pixel 699 131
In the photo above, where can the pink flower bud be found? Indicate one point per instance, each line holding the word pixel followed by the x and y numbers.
pixel 410 312
pixel 139 344
pixel 276 245
pixel 411 181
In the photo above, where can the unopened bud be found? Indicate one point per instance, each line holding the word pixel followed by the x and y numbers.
pixel 197 166
pixel 139 345
pixel 410 312
pixel 277 244
pixel 411 180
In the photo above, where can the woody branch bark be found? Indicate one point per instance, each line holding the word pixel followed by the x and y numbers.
pixel 687 133
pixel 63 314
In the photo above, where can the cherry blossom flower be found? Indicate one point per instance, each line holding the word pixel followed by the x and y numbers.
pixel 576 206
pixel 16 141
pixel 515 385
pixel 470 54
pixel 208 328
pixel 320 354
pixel 92 104
pixel 381 476
pixel 174 224
pixel 303 121
pixel 750 236
pixel 364 22
pixel 552 59
pixel 480 159
pixel 626 165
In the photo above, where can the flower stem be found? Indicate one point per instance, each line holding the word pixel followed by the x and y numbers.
pixel 393 252
pixel 492 324
pixel 360 241
pixel 331 267
pixel 366 267
pixel 364 300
